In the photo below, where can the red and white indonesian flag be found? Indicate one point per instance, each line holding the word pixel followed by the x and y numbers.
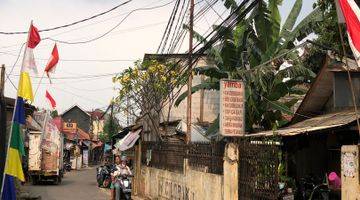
pixel 51 100
pixel 53 60
pixel 28 65
pixel 348 11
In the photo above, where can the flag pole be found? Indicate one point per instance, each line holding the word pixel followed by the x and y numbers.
pixel 37 88
pixel 8 146
pixel 12 121
pixel 350 80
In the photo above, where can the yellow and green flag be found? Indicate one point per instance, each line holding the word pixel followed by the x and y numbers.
pixel 13 166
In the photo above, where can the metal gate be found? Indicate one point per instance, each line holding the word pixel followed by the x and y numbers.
pixel 258 170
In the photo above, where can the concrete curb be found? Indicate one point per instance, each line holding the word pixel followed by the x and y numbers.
pixel 139 198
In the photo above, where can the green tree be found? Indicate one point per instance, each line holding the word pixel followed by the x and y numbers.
pixel 54 113
pixel 244 53
pixel 146 89
pixel 328 36
pixel 111 127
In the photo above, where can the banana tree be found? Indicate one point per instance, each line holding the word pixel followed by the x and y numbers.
pixel 254 41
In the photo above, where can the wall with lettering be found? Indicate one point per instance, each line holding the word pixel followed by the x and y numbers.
pixel 193 185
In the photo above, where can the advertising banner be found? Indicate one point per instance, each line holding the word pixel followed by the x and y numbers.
pixel 232 108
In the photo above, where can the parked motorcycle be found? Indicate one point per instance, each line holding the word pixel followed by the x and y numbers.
pixel 125 187
pixel 103 175
pixel 67 166
pixel 311 188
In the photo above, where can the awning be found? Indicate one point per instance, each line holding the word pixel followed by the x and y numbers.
pixel 128 141
pixel 68 145
pixel 32 124
pixel 319 123
pixel 80 135
pixel 107 147
pixel 96 144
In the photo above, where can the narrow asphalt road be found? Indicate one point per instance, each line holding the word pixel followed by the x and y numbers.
pixel 76 185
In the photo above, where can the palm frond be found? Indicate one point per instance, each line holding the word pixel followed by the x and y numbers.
pixel 207 85
pixel 291 19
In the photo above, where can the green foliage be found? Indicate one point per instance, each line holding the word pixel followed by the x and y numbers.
pixel 54 113
pixel 328 35
pixel 146 88
pixel 104 137
pixel 111 127
pixel 207 85
pixel 146 85
pixel 243 52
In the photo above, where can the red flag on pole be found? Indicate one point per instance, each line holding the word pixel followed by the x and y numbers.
pixel 350 13
pixel 34 37
pixel 53 60
pixel 50 99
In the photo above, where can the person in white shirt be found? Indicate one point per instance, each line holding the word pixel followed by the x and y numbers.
pixel 121 169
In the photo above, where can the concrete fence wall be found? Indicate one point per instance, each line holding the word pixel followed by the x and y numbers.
pixel 350 183
pixel 163 184
pixel 190 184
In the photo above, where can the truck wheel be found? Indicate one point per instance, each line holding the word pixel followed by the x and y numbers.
pixel 57 180
pixel 34 180
pixel 127 196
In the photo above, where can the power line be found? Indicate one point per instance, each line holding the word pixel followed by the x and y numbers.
pixel 179 23
pixel 14 86
pixel 91 90
pixel 75 81
pixel 110 30
pixel 97 22
pixel 75 77
pixel 179 39
pixel 168 26
pixel 70 24
pixel 212 8
pixel 81 97
pixel 77 60
pixel 84 26
pixel 17 59
pixel 121 31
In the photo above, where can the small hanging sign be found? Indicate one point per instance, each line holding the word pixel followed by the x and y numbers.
pixel 232 108
pixel 348 164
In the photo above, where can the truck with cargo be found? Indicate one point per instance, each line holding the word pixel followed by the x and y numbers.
pixel 45 150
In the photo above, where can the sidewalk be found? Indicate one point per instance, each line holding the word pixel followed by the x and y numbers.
pixel 139 198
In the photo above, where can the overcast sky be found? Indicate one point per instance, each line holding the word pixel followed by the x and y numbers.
pixel 139 34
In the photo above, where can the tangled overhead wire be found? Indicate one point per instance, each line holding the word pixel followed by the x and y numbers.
pixel 70 24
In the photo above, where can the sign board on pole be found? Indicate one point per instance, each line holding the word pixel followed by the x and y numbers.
pixel 232 108
pixel 85 157
pixel 69 127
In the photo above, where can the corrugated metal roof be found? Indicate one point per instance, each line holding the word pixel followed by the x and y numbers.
pixel 322 122
pixel 322 88
pixel 80 134
pixel 317 96
pixel 340 66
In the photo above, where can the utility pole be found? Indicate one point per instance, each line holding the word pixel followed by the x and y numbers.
pixel 111 118
pixel 2 83
pixel 202 94
pixel 191 33
pixel 127 112
pixel 350 81
pixel 2 124
pixel 111 130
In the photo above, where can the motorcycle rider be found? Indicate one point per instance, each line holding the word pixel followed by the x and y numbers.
pixel 121 169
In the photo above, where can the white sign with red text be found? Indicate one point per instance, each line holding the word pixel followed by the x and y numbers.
pixel 232 108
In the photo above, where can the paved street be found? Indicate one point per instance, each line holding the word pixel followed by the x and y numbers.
pixel 76 185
